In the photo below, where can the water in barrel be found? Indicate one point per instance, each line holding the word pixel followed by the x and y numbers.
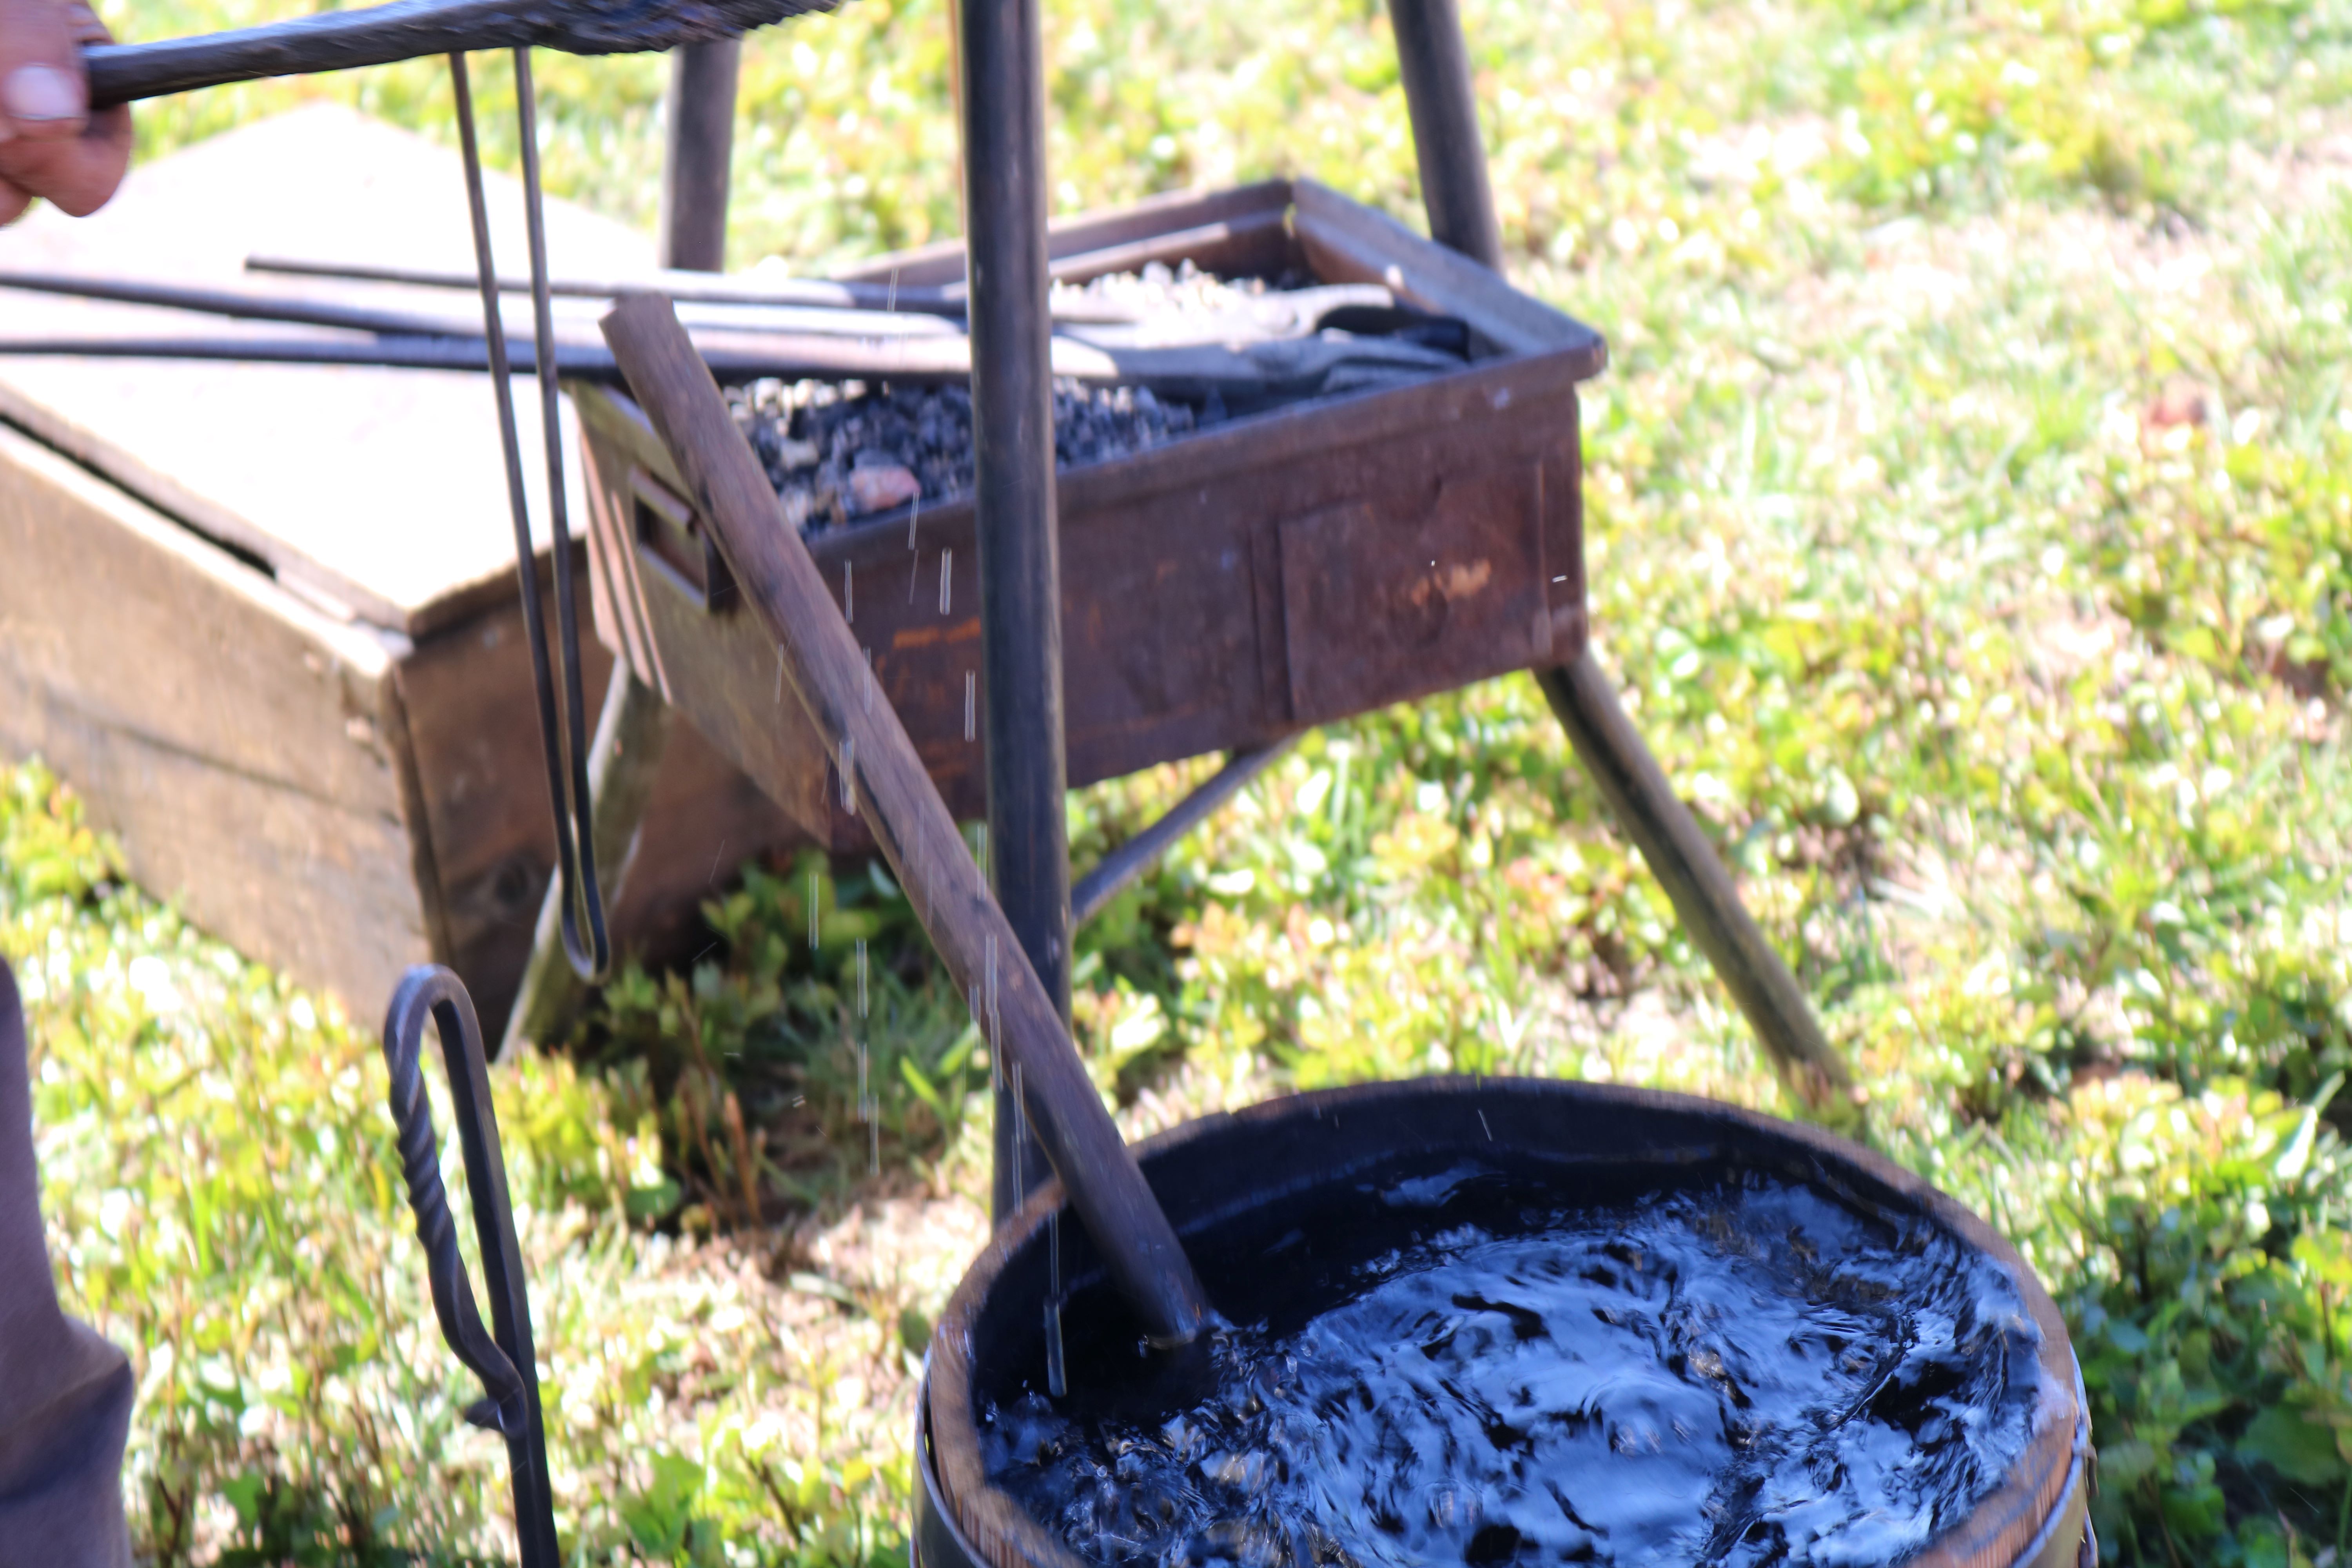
pixel 1737 1371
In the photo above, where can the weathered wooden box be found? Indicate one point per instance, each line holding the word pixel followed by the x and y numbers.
pixel 1220 591
pixel 265 619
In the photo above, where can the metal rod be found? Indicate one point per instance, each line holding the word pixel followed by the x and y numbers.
pixel 1434 61
pixel 1013 450
pixel 1701 892
pixel 410 29
pixel 686 288
pixel 632 734
pixel 1115 870
pixel 389 353
pixel 696 166
pixel 250 305
pixel 234 304
pixel 503 1358
pixel 559 798
pixel 585 904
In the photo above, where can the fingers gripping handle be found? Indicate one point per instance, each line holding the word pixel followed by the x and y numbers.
pixel 429 991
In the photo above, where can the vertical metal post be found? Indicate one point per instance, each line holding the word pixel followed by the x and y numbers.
pixel 1003 106
pixel 701 145
pixel 1435 63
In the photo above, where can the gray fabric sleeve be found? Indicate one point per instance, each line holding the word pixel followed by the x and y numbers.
pixel 65 1393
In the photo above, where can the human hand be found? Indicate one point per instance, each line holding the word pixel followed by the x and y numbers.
pixel 51 145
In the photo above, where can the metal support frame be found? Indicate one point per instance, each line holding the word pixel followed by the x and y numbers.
pixel 696 166
pixel 1434 59
pixel 1435 62
pixel 1130 859
pixel 1003 111
pixel 632 731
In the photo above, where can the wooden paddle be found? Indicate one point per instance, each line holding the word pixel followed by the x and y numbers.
pixel 909 821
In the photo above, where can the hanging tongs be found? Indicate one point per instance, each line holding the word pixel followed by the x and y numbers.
pixel 500 1355
pixel 585 940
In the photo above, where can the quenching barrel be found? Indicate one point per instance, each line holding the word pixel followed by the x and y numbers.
pixel 1272 1200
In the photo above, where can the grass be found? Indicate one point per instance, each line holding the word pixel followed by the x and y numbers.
pixel 1969 520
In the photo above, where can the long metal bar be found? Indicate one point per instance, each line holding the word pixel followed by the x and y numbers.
pixel 687 287
pixel 583 910
pixel 1020 572
pixel 253 305
pixel 232 303
pixel 1123 865
pixel 1434 60
pixel 701 147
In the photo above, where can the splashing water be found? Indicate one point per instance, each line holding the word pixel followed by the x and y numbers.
pixel 1742 1374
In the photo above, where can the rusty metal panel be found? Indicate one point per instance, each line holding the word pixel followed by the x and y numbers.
pixel 1406 594
pixel 1218 592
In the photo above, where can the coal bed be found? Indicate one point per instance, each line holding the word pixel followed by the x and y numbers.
pixel 843 452
pixel 1734 1371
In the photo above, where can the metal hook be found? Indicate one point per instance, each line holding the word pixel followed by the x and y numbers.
pixel 502 1357
pixel 581 902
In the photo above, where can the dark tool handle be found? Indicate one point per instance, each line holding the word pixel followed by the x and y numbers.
pixel 918 838
pixel 407 30
pixel 418 999
pixel 501 1359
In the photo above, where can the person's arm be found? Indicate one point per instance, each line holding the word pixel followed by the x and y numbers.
pixel 51 145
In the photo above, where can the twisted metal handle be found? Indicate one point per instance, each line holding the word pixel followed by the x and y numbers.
pixel 425 992
pixel 500 1354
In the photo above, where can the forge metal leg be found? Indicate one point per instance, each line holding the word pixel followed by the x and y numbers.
pixel 1435 63
pixel 1138 853
pixel 701 145
pixel 1695 878
pixel 1003 112
pixel 631 731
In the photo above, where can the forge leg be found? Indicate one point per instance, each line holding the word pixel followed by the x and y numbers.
pixel 1694 877
pixel 1004 110
pixel 631 732
pixel 1435 62
pixel 701 145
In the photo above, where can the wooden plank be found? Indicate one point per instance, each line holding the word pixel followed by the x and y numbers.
pixel 828 674
pixel 231 735
pixel 1346 242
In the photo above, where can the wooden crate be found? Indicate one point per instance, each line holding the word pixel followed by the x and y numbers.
pixel 265 617
pixel 1220 591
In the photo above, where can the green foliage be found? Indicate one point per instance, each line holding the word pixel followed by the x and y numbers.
pixel 800 1062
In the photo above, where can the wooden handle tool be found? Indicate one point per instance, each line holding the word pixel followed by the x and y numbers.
pixel 918 836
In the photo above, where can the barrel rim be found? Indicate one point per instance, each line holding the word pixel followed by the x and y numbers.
pixel 2003 1524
